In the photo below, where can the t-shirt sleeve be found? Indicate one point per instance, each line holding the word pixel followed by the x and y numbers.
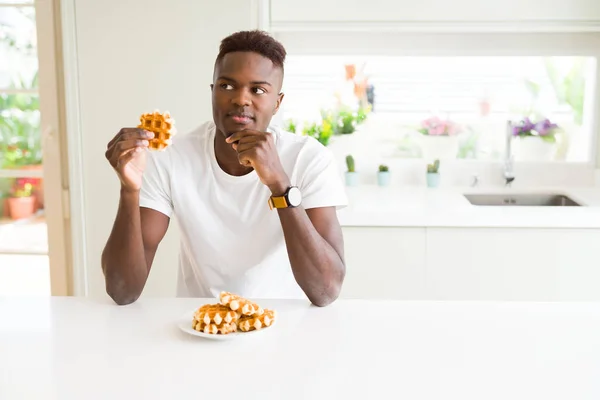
pixel 321 184
pixel 155 192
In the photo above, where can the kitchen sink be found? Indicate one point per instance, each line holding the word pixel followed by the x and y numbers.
pixel 522 200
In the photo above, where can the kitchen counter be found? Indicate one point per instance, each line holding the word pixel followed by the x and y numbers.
pixel 74 348
pixel 447 207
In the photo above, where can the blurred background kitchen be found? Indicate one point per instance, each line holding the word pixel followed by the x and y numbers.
pixel 423 105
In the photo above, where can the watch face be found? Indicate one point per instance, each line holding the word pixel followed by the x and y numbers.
pixel 294 196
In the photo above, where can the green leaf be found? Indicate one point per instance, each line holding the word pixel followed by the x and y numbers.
pixel 548 138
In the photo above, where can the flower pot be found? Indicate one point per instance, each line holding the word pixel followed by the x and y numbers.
pixel 433 179
pixel 438 147
pixel 383 178
pixel 351 178
pixel 532 148
pixel 21 207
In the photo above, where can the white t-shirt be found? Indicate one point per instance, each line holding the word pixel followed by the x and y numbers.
pixel 230 239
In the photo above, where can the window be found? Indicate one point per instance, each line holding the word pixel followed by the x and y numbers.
pixel 20 139
pixel 24 250
pixel 471 97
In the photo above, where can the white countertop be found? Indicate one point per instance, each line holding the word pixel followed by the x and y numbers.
pixel 447 207
pixel 73 348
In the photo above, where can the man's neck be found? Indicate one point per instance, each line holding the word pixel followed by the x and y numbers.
pixel 227 157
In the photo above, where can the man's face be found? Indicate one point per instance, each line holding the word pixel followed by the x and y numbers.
pixel 245 92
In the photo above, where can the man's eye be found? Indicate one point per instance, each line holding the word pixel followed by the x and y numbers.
pixel 226 86
pixel 258 90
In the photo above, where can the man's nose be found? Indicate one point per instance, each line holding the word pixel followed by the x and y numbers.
pixel 242 98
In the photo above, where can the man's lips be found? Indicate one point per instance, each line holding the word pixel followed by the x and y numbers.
pixel 241 118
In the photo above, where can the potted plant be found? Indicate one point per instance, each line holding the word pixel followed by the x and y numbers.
pixel 536 141
pixel 351 174
pixel 383 176
pixel 433 174
pixel 439 138
pixel 20 138
pixel 21 203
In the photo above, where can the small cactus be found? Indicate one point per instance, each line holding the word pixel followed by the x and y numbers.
pixel 433 168
pixel 383 168
pixel 350 163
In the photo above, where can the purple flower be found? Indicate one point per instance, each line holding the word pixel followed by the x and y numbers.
pixel 544 127
pixel 524 126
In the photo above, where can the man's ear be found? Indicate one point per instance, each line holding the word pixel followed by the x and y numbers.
pixel 279 100
pixel 212 87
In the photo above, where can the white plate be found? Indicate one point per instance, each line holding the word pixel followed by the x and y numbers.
pixel 185 324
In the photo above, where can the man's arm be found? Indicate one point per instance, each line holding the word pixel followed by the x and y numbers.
pixel 131 247
pixel 315 246
pixel 313 237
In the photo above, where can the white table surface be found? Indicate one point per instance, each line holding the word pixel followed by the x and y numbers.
pixel 73 348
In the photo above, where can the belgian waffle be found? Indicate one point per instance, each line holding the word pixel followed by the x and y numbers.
pixel 163 127
pixel 241 305
pixel 214 329
pixel 248 323
pixel 216 314
pixel 232 314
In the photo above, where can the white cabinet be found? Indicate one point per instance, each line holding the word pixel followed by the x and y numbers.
pixel 432 11
pixel 513 264
pixel 497 264
pixel 384 263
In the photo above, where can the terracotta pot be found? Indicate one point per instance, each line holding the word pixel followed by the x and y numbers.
pixel 21 207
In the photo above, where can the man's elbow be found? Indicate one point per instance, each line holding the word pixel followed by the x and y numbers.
pixel 122 299
pixel 330 293
pixel 120 292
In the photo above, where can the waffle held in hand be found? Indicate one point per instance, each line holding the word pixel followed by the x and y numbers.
pixel 163 127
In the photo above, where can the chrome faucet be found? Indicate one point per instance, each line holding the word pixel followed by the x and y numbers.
pixel 509 175
pixel 474 180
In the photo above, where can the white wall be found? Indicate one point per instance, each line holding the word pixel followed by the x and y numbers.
pixel 136 56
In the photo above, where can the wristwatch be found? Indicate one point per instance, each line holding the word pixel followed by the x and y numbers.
pixel 291 198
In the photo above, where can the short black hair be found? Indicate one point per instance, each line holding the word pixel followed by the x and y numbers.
pixel 253 41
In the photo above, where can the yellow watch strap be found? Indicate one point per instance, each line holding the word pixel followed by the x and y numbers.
pixel 277 202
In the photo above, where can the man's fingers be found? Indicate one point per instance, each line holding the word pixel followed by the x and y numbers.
pixel 241 134
pixel 128 144
pixel 127 156
pixel 130 133
pixel 118 148
pixel 241 147
pixel 245 158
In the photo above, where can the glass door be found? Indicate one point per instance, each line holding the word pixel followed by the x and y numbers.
pixel 32 223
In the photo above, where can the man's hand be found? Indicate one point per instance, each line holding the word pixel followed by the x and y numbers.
pixel 257 150
pixel 125 154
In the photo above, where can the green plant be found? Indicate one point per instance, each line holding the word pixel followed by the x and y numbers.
pixel 24 191
pixel 322 132
pixel 346 122
pixel 20 141
pixel 20 138
pixel 350 163
pixel 570 88
pixel 362 113
pixel 290 126
pixel 383 168
pixel 433 168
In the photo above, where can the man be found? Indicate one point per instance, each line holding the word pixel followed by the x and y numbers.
pixel 220 181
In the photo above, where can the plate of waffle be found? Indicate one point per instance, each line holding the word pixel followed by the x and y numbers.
pixel 233 316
